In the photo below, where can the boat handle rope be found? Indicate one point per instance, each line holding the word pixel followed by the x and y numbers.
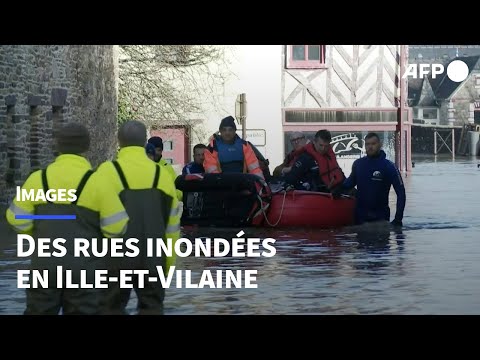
pixel 281 211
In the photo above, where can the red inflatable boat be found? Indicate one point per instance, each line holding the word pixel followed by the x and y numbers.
pixel 226 200
pixel 311 209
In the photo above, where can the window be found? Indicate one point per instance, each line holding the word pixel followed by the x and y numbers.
pixel 477 80
pixel 338 116
pixel 430 114
pixel 167 145
pixel 476 117
pixel 168 160
pixel 306 56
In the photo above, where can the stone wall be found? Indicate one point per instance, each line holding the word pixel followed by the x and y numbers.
pixel 43 86
pixel 463 100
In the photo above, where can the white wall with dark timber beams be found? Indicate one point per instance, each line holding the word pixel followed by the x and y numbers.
pixel 345 76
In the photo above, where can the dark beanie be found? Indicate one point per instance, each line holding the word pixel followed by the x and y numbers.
pixel 150 149
pixel 228 121
pixel 73 138
pixel 156 141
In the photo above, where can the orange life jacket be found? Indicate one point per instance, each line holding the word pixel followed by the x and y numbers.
pixel 212 165
pixel 329 171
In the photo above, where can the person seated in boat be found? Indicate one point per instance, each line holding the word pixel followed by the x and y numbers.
pixel 150 150
pixel 196 166
pixel 298 141
pixel 228 153
pixel 316 168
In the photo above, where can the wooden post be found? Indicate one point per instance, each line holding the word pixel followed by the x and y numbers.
pixel 453 143
pixel 241 113
pixel 243 100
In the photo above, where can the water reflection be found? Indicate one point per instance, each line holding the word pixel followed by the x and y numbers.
pixel 431 266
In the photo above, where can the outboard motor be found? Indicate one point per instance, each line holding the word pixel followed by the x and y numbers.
pixel 194 203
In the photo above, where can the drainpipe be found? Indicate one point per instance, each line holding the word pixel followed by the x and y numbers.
pixel 399 131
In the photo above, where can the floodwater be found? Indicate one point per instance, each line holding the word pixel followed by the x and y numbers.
pixel 431 267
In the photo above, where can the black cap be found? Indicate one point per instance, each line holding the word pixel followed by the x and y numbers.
pixel 156 141
pixel 150 149
pixel 228 121
pixel 73 138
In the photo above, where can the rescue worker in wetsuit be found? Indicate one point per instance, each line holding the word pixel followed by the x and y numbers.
pixel 98 213
pixel 158 143
pixel 228 153
pixel 316 168
pixel 373 175
pixel 148 193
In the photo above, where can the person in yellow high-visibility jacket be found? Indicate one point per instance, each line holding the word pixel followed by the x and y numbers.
pixel 148 193
pixel 98 212
pixel 158 143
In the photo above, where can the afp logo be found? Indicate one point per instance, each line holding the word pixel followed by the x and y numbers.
pixel 457 70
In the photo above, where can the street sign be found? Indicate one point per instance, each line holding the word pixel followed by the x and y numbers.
pixel 256 136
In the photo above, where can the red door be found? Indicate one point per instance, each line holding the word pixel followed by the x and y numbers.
pixel 175 144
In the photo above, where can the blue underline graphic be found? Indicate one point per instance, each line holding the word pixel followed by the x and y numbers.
pixel 45 217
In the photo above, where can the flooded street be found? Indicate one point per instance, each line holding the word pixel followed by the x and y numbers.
pixel 431 267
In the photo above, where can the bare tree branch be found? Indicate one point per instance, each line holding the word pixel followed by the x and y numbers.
pixel 165 85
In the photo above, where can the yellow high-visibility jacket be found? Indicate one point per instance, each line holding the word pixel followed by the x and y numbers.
pixel 66 172
pixel 139 174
